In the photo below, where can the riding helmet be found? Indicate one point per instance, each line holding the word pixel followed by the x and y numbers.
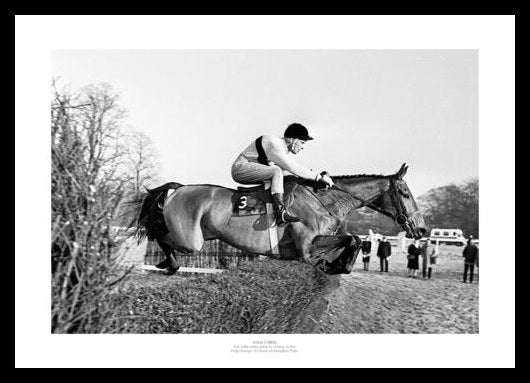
pixel 297 130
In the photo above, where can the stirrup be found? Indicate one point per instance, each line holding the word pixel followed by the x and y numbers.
pixel 285 217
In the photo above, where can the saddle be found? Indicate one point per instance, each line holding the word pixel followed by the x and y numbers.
pixel 257 200
pixel 252 200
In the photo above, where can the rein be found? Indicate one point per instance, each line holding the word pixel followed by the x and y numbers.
pixel 351 195
pixel 363 202
pixel 334 187
pixel 319 200
pixel 401 216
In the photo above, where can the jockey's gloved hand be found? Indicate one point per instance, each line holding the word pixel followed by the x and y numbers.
pixel 326 179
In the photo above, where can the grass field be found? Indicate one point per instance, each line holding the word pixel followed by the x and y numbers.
pixel 382 303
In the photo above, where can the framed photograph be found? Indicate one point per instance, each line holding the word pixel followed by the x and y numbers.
pixel 214 186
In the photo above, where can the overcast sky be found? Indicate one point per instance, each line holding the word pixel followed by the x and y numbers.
pixel 368 110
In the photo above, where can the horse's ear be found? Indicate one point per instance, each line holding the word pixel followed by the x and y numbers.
pixel 402 171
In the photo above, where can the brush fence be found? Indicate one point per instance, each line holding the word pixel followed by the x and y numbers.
pixel 214 255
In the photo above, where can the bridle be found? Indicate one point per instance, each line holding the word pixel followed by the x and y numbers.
pixel 401 217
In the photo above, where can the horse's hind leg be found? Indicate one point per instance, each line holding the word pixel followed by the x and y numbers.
pixel 163 265
pixel 170 263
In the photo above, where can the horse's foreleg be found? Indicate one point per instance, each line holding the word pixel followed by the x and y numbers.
pixel 333 254
pixel 347 259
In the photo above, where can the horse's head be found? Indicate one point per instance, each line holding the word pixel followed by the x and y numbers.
pixel 398 203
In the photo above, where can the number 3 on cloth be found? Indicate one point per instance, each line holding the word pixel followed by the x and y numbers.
pixel 242 202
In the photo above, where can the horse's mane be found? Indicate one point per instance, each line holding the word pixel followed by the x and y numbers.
pixel 333 199
pixel 309 182
pixel 341 177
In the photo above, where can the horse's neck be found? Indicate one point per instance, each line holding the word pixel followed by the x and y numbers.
pixel 366 189
pixel 338 202
pixel 351 193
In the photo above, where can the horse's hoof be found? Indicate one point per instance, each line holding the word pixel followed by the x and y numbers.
pixel 162 265
pixel 172 270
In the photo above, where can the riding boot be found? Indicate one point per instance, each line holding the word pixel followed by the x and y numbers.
pixel 282 215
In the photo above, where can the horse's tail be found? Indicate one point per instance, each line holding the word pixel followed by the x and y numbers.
pixel 148 219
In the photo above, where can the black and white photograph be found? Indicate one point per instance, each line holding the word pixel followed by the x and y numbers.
pixel 263 199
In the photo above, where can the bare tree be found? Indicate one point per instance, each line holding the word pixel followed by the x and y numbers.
pixel 87 187
pixel 141 161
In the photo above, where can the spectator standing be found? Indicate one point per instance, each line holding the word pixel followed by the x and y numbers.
pixel 413 258
pixel 470 255
pixel 428 255
pixel 384 253
pixel 366 249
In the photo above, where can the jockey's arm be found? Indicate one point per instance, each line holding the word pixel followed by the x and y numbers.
pixel 285 162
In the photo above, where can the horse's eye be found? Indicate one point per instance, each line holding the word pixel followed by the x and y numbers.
pixel 403 193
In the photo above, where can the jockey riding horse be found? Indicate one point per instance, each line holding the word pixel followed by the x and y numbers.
pixel 269 158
